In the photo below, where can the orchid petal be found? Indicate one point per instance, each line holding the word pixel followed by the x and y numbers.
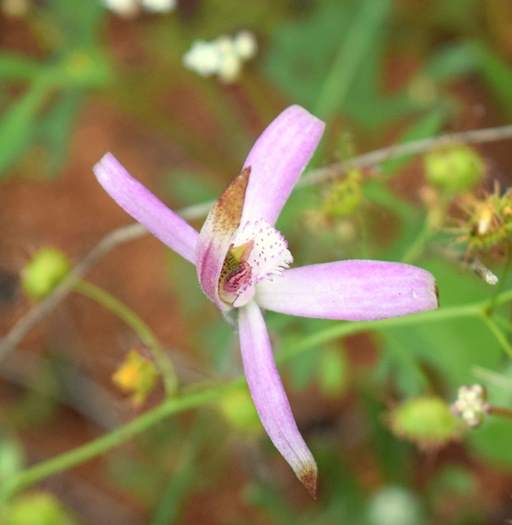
pixel 145 208
pixel 277 160
pixel 350 290
pixel 269 396
pixel 216 236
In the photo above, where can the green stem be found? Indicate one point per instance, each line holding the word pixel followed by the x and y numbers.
pixel 417 247
pixel 113 439
pixel 196 398
pixel 496 330
pixel 146 335
pixel 435 217
pixel 503 280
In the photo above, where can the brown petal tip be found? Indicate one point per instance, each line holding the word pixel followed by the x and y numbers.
pixel 228 209
pixel 309 477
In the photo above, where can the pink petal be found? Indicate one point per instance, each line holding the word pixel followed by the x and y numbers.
pixel 350 290
pixel 277 160
pixel 269 396
pixel 216 236
pixel 145 208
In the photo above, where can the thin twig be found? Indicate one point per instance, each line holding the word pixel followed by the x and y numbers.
pixel 134 231
pixel 367 160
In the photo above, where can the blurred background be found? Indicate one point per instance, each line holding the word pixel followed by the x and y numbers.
pixel 179 92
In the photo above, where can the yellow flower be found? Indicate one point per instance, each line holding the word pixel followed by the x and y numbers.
pixel 136 376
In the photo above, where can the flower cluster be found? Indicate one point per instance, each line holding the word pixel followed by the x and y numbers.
pixel 242 265
pixel 471 404
pixel 223 56
pixel 129 8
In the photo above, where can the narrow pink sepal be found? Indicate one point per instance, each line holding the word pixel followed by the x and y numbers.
pixel 270 398
pixel 277 160
pixel 144 207
pixel 353 290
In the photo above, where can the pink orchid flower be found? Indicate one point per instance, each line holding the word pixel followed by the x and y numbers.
pixel 243 264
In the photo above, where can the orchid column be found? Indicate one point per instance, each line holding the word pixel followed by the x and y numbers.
pixel 243 264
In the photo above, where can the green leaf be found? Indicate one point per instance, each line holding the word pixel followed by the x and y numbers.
pixel 76 27
pixel 18 123
pixel 496 73
pixel 302 51
pixel 55 130
pixel 451 62
pixel 18 67
pixel 357 44
pixel 454 347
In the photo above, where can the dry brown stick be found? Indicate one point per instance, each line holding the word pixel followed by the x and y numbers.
pixel 134 231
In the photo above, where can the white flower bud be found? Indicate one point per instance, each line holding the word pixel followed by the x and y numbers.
pixel 471 404
pixel 245 45
pixel 159 6
pixel 223 56
pixel 202 58
pixel 122 7
pixel 229 67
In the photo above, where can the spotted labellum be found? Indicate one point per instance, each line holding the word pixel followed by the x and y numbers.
pixel 243 266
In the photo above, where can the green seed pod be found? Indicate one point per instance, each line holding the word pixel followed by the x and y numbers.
pixel 456 169
pixel 38 507
pixel 44 272
pixel 426 421
pixel 238 410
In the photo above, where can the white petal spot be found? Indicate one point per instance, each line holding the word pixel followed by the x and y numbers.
pixel 270 254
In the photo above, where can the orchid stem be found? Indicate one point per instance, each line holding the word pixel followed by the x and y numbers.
pixel 145 334
pixel 200 397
